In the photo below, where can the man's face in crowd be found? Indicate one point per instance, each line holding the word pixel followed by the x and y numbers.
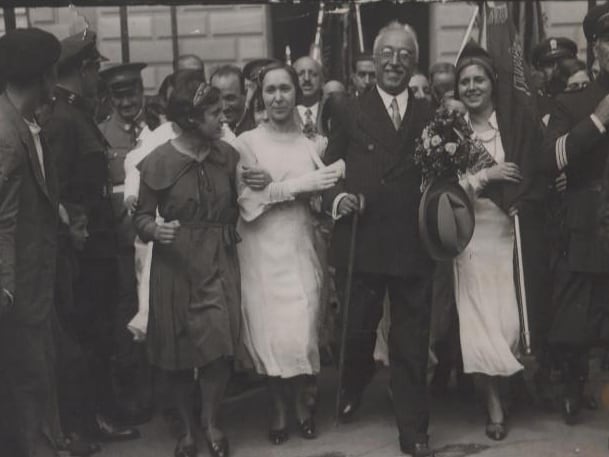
pixel 309 78
pixel 420 86
pixel 89 73
pixel 395 59
pixel 601 53
pixel 442 83
pixel 364 76
pixel 128 102
pixel 233 100
pixel 552 81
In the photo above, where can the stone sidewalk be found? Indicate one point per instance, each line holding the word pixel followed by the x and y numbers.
pixel 457 430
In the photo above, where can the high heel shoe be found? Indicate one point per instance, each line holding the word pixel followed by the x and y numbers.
pixel 278 437
pixel 307 428
pixel 182 450
pixel 218 448
pixel 495 430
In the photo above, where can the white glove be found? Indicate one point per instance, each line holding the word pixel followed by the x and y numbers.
pixel 314 181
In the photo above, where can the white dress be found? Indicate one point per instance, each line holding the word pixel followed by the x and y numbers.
pixel 485 292
pixel 281 275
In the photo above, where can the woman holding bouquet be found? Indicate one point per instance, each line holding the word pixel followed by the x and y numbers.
pixel 484 282
pixel 281 275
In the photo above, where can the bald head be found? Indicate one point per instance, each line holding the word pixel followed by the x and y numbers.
pixel 189 62
pixel 309 78
pixel 333 86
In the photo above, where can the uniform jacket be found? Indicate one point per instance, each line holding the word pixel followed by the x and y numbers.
pixel 380 165
pixel 121 138
pixel 575 144
pixel 28 219
pixel 80 151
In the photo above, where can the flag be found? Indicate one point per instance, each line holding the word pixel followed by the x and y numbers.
pixel 530 22
pixel 515 103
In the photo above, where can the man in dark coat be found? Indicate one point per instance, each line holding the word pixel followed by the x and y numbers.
pixel 28 236
pixel 121 130
pixel 577 142
pixel 375 135
pixel 80 153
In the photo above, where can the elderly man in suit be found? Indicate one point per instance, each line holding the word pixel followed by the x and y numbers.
pixel 28 235
pixel 375 136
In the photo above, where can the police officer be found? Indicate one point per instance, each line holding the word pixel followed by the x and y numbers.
pixel 546 56
pixel 121 130
pixel 80 154
pixel 577 143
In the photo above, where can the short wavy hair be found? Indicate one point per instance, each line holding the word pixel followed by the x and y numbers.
pixel 180 107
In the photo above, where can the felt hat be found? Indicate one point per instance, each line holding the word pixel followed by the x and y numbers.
pixel 596 22
pixel 25 53
pixel 474 54
pixel 446 219
pixel 122 77
pixel 80 47
pixel 552 49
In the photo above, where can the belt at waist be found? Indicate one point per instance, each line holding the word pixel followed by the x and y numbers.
pixel 229 231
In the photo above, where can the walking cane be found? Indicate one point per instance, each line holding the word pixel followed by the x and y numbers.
pixel 346 303
pixel 526 334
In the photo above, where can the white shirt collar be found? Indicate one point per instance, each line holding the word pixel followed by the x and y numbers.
pixel 302 110
pixel 402 99
pixel 492 120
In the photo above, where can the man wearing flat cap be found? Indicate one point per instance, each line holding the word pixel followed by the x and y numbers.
pixel 28 237
pixel 121 130
pixel 577 143
pixel 80 152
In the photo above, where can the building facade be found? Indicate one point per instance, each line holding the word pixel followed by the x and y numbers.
pixel 241 32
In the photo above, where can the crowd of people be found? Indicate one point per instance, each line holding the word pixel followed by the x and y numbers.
pixel 158 253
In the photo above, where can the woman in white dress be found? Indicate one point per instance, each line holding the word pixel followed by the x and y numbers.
pixel 281 276
pixel 484 282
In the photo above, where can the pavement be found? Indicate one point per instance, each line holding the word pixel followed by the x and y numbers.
pixel 456 430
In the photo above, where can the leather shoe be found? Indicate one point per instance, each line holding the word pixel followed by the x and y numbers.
pixel 307 428
pixel 570 410
pixel 417 450
pixel 278 437
pixel 218 448
pixel 107 431
pixel 348 406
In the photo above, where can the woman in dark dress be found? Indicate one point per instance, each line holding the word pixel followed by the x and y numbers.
pixel 194 319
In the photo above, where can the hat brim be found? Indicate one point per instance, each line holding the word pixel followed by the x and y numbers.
pixel 443 237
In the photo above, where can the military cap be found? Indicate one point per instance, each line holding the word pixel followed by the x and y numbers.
pixel 25 53
pixel 123 76
pixel 79 48
pixel 252 68
pixel 552 49
pixel 596 22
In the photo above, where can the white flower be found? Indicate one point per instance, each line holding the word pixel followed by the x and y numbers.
pixel 451 148
pixel 426 143
pixel 436 140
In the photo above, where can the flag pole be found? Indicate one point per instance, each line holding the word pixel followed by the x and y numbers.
pixel 468 32
pixel 315 53
pixel 360 33
pixel 526 333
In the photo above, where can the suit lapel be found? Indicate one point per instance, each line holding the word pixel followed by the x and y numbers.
pixel 28 143
pixel 374 119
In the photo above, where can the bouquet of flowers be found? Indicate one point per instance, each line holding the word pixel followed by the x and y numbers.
pixel 446 147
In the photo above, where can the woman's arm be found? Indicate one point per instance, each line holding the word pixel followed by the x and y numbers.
pixel 144 218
